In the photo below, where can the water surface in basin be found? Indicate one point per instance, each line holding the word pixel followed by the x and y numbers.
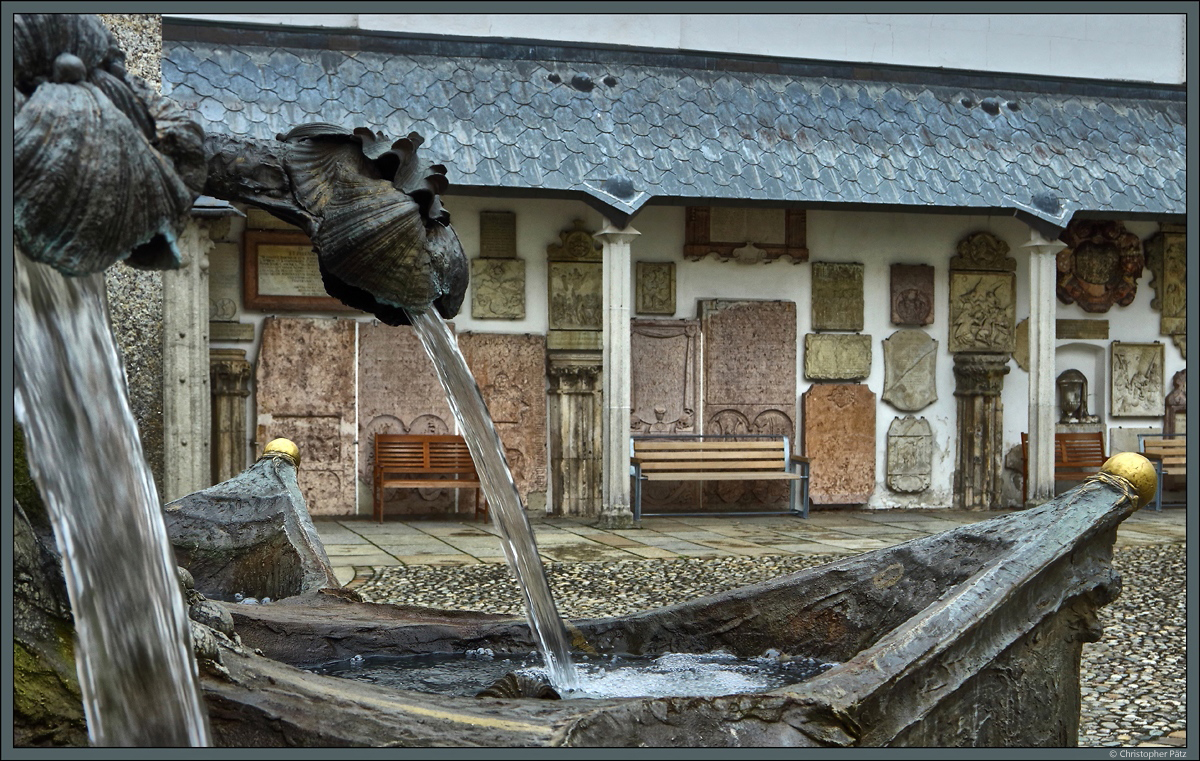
pixel 617 676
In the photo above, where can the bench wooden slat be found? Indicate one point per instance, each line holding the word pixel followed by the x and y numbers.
pixel 722 476
pixel 650 446
pixel 716 465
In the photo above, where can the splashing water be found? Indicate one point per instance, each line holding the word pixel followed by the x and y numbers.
pixel 133 644
pixel 504 500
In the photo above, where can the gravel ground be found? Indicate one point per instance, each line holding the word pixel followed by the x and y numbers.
pixel 1134 679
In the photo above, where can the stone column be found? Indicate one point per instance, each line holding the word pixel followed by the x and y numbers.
pixel 979 461
pixel 615 511
pixel 575 418
pixel 1043 303
pixel 230 378
pixel 187 410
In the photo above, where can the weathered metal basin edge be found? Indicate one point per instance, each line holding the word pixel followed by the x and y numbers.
pixel 971 637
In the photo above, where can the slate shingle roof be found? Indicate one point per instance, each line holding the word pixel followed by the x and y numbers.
pixel 624 133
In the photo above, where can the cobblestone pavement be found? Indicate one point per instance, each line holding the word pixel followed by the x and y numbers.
pixel 1133 681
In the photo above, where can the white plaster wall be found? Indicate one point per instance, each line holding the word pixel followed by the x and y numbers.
pixel 1127 46
pixel 877 240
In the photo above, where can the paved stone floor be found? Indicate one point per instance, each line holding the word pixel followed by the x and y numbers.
pixel 362 549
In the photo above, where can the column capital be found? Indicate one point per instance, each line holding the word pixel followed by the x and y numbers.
pixel 1039 245
pixel 613 235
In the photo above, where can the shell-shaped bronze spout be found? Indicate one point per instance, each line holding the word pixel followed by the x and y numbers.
pixel 383 240
pixel 514 685
pixel 104 168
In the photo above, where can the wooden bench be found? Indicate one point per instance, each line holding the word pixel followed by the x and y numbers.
pixel 1076 456
pixel 1168 452
pixel 701 457
pixel 423 462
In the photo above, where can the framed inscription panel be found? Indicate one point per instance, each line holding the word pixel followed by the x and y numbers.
pixel 281 273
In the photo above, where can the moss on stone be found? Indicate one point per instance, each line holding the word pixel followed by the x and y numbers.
pixel 47 707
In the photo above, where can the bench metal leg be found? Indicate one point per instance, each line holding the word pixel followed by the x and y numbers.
pixel 1158 471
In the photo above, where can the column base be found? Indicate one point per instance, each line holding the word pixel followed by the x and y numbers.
pixel 620 518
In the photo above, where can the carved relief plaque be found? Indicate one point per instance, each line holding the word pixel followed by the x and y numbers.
pixel 1137 379
pixel 511 373
pixel 497 235
pixel 909 454
pixel 837 296
pixel 498 289
pixel 1166 256
pixel 398 392
pixel 909 361
pixel 665 395
pixel 576 300
pixel 983 251
pixel 224 282
pixel 749 382
pixel 575 245
pixel 839 439
pixel 665 357
pixel 305 394
pixel 656 288
pixel 747 235
pixel 982 311
pixel 912 294
pixel 833 356
pixel 1100 265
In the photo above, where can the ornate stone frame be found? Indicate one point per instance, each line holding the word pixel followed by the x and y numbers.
pixel 1100 265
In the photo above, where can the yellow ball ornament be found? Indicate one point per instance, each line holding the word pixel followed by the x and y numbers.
pixel 1137 470
pixel 283 447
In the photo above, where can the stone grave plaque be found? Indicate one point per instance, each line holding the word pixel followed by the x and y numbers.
pixel 912 294
pixel 839 440
pixel 909 362
pixel 576 298
pixel 1021 345
pixel 1166 256
pixel 398 392
pixel 511 373
pixel 665 359
pixel 983 311
pixel 837 296
pixel 1137 379
pixel 833 356
pixel 1094 330
pixel 1125 438
pixel 497 235
pixel 909 454
pixel 746 235
pixel 749 383
pixel 498 289
pixel 224 283
pixel 665 396
pixel 305 394
pixel 656 288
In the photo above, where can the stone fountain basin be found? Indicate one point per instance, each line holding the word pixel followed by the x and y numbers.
pixel 971 637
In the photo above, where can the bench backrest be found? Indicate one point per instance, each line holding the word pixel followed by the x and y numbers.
pixel 403 453
pixel 713 455
pixel 1073 448
pixel 1172 450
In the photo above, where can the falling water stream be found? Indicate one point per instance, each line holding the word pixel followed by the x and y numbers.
pixel 133 644
pixel 504 501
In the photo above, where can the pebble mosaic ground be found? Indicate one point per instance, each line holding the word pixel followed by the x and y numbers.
pixel 1133 680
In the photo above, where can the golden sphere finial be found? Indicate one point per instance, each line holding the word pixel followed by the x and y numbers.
pixel 1137 470
pixel 283 448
